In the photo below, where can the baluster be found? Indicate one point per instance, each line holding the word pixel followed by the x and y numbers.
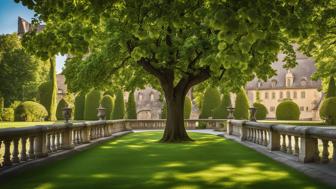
pixel 74 140
pixel 31 148
pixel 23 148
pixel 254 135
pixel 58 140
pixel 78 136
pixel 248 134
pixel 289 147
pixel 262 137
pixel 334 150
pixel 325 152
pixel 265 138
pixel 296 145
pixel 48 143
pixel 53 139
pixel 258 136
pixel 283 145
pixel 15 158
pixel 7 155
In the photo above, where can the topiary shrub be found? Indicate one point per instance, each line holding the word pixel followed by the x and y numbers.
pixel 7 114
pixel 187 107
pixel 261 111
pixel 59 111
pixel 328 110
pixel 79 106
pixel 287 110
pixel 241 105
pixel 131 108
pixel 2 103
pixel 331 88
pixel 107 103
pixel 210 101
pixel 221 111
pixel 30 111
pixel 44 96
pixel 119 105
pixel 92 102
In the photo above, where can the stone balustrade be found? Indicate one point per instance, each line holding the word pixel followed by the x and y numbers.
pixel 19 145
pixel 309 144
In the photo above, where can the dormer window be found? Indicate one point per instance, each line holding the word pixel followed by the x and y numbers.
pixel 152 97
pixel 289 79
pixel 303 82
pixel 274 83
pixel 140 97
pixel 259 84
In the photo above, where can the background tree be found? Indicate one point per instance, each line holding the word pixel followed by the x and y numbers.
pixel 20 73
pixel 131 107
pixel 211 100
pixel 261 111
pixel 79 106
pixel 221 111
pixel 172 44
pixel 241 105
pixel 59 111
pixel 107 103
pixel 119 105
pixel 92 102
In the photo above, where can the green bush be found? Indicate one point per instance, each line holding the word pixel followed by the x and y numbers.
pixel 7 114
pixel 107 103
pixel 331 88
pixel 287 110
pixel 92 102
pixel 79 106
pixel 261 111
pixel 241 105
pixel 211 100
pixel 187 107
pixel 30 111
pixel 328 110
pixel 44 96
pixel 119 106
pixel 59 111
pixel 221 111
pixel 131 107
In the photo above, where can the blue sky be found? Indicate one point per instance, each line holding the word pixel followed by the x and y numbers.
pixel 9 13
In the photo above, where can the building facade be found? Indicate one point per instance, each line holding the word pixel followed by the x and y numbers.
pixel 295 84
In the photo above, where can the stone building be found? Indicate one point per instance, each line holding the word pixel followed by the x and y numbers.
pixel 148 103
pixel 295 84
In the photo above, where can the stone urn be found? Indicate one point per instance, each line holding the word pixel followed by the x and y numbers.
pixel 230 110
pixel 253 114
pixel 67 114
pixel 101 112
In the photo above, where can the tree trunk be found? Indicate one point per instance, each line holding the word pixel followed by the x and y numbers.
pixel 53 92
pixel 175 130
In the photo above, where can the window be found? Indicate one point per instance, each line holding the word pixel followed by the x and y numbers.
pixel 303 82
pixel 274 83
pixel 272 108
pixel 288 94
pixel 259 84
pixel 273 95
pixel 266 95
pixel 152 97
pixel 295 94
pixel 301 108
pixel 140 97
pixel 281 94
pixel 303 94
pixel 307 109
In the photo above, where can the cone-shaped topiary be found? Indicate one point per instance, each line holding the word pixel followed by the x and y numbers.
pixel 331 88
pixel 328 111
pixel 287 110
pixel 211 100
pixel 107 103
pixel 92 102
pixel 59 111
pixel 187 107
pixel 44 94
pixel 261 111
pixel 119 105
pixel 241 105
pixel 131 108
pixel 221 111
pixel 79 106
pixel 30 111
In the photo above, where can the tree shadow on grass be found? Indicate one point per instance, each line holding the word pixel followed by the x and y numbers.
pixel 139 161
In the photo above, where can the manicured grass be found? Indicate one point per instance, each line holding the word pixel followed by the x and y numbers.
pixel 23 124
pixel 139 161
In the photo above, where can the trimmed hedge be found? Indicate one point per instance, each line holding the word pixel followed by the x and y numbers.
pixel 7 114
pixel 79 106
pixel 331 88
pixel 328 110
pixel 59 111
pixel 44 96
pixel 92 102
pixel 187 108
pixel 119 106
pixel 287 110
pixel 211 100
pixel 241 105
pixel 30 111
pixel 107 103
pixel 131 107
pixel 261 111
pixel 221 111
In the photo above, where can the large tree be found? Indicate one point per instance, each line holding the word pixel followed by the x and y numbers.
pixel 174 44
pixel 20 72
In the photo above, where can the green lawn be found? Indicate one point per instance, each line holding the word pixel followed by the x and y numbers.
pixel 23 124
pixel 138 161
